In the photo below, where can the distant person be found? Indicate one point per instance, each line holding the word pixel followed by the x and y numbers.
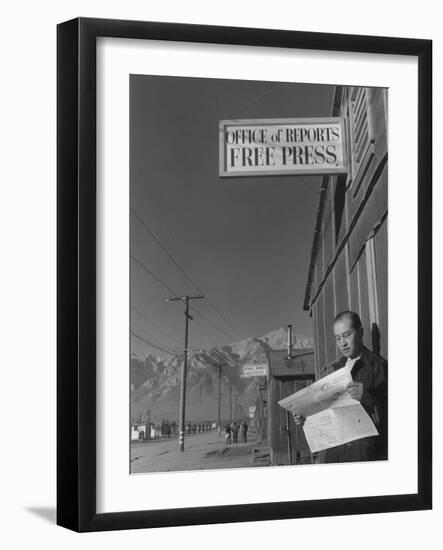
pixel 244 431
pixel 234 430
pixel 369 386
pixel 228 434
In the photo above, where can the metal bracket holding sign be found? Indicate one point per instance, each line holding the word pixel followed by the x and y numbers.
pixel 278 147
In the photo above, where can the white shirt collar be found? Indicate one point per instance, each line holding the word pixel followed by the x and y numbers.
pixel 350 363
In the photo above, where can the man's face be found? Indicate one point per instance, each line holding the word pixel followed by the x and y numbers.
pixel 348 339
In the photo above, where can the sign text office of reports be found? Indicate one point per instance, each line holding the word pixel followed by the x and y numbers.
pixel 282 146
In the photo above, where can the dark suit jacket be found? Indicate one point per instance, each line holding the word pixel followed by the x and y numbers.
pixel 371 370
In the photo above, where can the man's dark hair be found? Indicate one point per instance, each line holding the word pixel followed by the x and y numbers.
pixel 355 319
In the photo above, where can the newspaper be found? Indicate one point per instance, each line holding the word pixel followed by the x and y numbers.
pixel 332 416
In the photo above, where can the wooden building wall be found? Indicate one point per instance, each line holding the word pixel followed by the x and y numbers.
pixel 261 420
pixel 278 423
pixel 351 265
pixel 285 378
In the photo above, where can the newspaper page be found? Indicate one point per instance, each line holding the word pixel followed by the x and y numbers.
pixel 332 416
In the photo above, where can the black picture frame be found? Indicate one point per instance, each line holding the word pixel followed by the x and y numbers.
pixel 76 266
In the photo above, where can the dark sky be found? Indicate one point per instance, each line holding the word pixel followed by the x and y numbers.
pixel 244 242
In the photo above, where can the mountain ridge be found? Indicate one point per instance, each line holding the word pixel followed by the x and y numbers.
pixel 155 382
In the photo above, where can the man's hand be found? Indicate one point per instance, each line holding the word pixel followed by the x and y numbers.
pixel 299 420
pixel 355 390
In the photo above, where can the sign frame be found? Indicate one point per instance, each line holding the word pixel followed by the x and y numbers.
pixel 224 173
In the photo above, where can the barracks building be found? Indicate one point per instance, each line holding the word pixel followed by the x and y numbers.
pixel 348 266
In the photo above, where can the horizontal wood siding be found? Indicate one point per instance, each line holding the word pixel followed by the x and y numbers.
pixel 355 212
pixel 381 263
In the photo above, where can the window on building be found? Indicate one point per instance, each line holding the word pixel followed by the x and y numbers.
pixel 329 305
pixel 364 298
pixel 339 208
pixel 320 345
pixel 341 283
pixel 362 135
pixel 328 238
pixel 354 297
pixel 381 266
pixel 345 112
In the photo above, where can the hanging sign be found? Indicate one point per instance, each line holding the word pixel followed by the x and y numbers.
pixel 250 371
pixel 266 147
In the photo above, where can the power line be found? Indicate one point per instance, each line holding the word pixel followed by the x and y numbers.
pixel 168 234
pixel 147 270
pixel 162 246
pixel 305 183
pixel 143 316
pixel 150 343
pixel 168 364
pixel 153 275
pixel 224 318
pixel 179 267
pixel 229 336
pixel 197 311
pixel 205 333
pixel 139 332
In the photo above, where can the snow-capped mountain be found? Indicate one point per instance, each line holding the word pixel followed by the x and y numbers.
pixel 155 382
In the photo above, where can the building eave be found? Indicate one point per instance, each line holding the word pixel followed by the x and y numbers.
pixel 335 110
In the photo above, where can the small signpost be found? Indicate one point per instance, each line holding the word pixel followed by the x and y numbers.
pixel 251 371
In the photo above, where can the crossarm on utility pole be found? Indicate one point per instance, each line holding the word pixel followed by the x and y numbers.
pixel 185 299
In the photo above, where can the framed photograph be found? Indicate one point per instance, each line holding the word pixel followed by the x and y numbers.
pixel 244 254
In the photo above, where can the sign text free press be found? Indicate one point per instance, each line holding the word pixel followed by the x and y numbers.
pixel 282 146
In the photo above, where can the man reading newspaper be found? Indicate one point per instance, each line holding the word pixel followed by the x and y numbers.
pixel 349 405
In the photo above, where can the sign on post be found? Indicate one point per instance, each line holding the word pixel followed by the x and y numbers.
pixel 250 371
pixel 266 147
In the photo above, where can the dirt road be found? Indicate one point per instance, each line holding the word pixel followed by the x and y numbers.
pixel 202 451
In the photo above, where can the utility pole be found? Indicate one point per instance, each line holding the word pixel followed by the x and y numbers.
pixel 289 341
pixel 186 299
pixel 219 366
pixel 230 401
pixel 227 400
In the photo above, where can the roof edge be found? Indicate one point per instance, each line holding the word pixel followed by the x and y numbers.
pixel 335 109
